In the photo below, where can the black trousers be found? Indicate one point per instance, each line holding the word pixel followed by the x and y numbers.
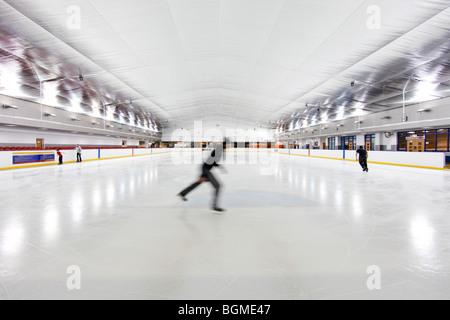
pixel 210 177
pixel 60 160
pixel 363 163
pixel 79 157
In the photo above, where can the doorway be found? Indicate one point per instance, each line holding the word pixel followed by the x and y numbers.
pixel 416 145
pixel 40 143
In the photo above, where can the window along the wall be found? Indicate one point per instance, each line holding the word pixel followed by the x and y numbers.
pixel 436 140
pixel 349 143
pixel 331 143
pixel 370 138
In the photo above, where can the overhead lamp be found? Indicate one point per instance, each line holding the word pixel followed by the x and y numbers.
pixel 80 77
pixel 353 83
pixel 358 122
pixel 6 106
pixel 95 123
pixel 386 118
pixel 110 126
pixel 340 125
pixel 423 110
pixel 75 119
pixel 47 114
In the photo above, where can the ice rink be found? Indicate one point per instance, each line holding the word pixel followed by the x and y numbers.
pixel 295 228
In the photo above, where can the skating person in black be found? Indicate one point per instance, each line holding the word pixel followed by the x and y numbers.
pixel 207 176
pixel 363 156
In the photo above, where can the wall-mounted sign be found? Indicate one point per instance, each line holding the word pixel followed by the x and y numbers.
pixel 415 138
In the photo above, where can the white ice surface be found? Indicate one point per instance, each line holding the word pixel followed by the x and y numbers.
pixel 298 228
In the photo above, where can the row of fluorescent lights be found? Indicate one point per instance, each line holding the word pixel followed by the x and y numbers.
pixel 47 114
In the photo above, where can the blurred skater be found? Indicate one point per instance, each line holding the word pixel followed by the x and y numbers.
pixel 207 176
pixel 363 156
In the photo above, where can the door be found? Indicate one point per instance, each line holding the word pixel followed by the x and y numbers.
pixel 421 146
pixel 350 146
pixel 40 143
pixel 416 145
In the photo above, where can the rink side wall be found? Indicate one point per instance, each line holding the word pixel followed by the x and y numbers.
pixel 70 156
pixel 425 160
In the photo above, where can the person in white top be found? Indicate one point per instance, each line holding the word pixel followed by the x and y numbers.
pixel 79 150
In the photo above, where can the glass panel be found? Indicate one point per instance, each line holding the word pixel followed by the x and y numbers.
pixel 443 131
pixel 431 142
pixel 442 142
pixel 331 143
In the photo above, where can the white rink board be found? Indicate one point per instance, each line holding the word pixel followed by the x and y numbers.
pixel 420 160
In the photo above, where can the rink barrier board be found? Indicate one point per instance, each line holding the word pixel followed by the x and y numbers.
pixel 70 157
pixel 370 162
pixel 145 152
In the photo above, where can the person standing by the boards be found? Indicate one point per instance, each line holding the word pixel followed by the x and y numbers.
pixel 60 156
pixel 79 151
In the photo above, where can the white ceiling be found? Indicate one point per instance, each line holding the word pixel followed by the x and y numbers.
pixel 237 63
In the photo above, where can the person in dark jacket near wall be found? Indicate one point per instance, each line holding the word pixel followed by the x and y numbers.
pixel 207 176
pixel 363 156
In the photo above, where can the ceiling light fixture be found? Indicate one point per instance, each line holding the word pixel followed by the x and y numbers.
pixel 47 114
pixel 423 110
